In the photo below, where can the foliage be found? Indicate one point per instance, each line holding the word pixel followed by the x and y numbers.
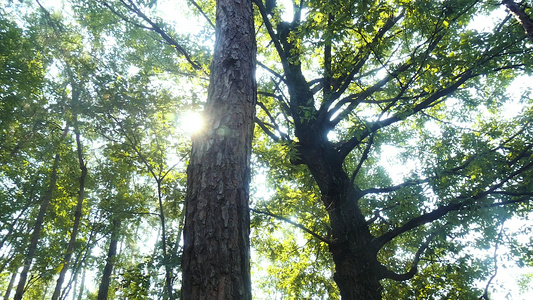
pixel 418 103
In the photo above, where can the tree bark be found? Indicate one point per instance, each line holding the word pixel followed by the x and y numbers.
pixel 521 16
pixel 38 224
pixel 357 270
pixel 216 258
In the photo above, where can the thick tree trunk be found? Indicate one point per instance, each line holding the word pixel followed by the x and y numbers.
pixel 357 270
pixel 216 235
pixel 103 290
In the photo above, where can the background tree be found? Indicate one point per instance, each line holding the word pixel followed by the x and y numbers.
pixel 110 87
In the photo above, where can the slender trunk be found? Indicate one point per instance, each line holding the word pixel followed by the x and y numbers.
pixel 103 290
pixel 77 215
pixel 45 291
pixel 7 260
pixel 78 266
pixel 38 224
pixel 82 286
pixel 74 284
pixel 10 286
pixel 216 255
pixel 168 270
pixel 13 224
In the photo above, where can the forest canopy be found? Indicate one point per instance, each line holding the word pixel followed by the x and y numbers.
pixel 392 155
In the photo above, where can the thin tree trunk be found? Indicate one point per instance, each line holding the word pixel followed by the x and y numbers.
pixel 10 286
pixel 82 285
pixel 38 224
pixel 77 213
pixel 216 255
pixel 103 290
pixel 13 224
pixel 168 271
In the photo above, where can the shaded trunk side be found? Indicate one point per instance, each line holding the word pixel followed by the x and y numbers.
pixel 357 270
pixel 216 255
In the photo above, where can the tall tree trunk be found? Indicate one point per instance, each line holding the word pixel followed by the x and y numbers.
pixel 77 214
pixel 216 257
pixel 103 290
pixel 357 270
pixel 38 224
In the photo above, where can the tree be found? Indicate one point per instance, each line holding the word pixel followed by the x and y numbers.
pixel 393 163
pixel 31 122
pixel 216 234
pixel 387 79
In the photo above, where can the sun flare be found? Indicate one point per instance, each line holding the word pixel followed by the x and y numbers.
pixel 191 122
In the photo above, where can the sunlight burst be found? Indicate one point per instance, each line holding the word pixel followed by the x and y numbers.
pixel 191 122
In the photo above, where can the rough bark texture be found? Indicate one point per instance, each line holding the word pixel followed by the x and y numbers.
pixel 216 234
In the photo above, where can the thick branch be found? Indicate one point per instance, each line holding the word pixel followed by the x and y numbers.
pixel 266 130
pixel 521 16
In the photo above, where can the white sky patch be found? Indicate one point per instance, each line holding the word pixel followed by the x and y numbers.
pixel 517 91
pixel 391 161
pixel 485 23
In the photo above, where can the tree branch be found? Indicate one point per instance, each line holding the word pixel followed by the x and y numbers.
pixel 130 5
pixel 495 257
pixel 345 148
pixel 314 234
pixel 414 264
pixel 466 203
pixel 202 12
pixel 364 156
pixel 521 17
